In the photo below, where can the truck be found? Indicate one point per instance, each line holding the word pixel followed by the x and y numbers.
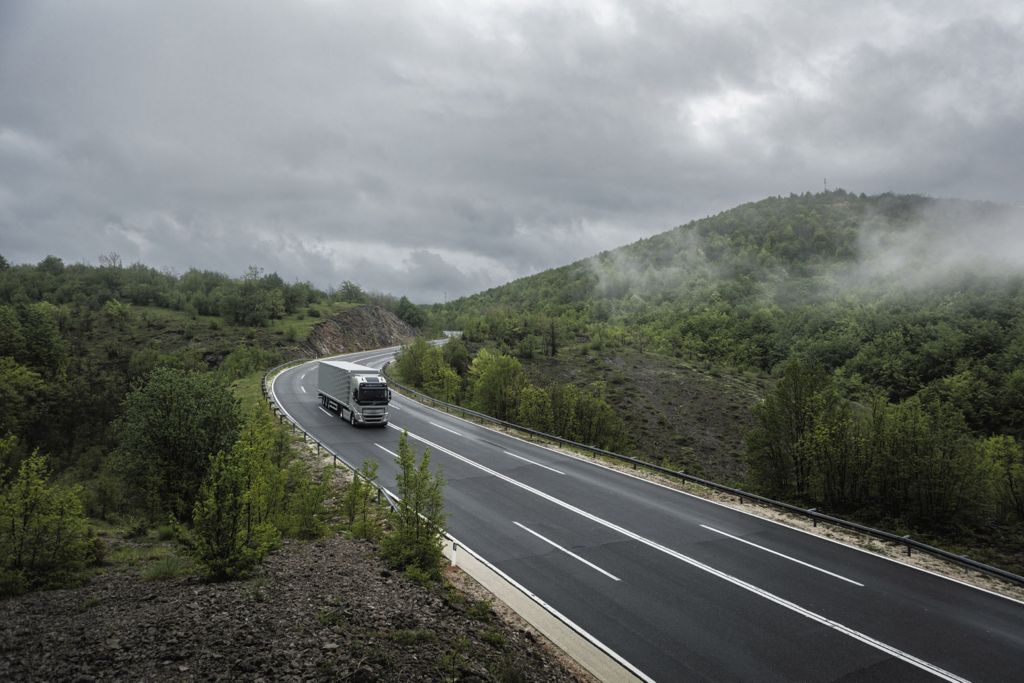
pixel 354 392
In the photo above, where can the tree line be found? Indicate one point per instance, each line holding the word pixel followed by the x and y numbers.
pixel 915 462
pixel 495 383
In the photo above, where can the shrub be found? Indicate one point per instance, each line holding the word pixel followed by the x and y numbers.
pixel 417 525
pixel 44 538
pixel 229 539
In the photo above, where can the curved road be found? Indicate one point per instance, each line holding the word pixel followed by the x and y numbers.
pixel 679 587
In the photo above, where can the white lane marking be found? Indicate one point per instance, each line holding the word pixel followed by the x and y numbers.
pixel 303 388
pixel 327 411
pixel 783 555
pixel 568 552
pixel 445 429
pixel 532 462
pixel 792 606
pixel 386 450
pixel 396 407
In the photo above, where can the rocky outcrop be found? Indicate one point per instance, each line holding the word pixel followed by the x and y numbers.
pixel 366 327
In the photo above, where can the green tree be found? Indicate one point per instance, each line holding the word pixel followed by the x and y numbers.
pixel 351 292
pixel 456 355
pixel 358 503
pixel 44 538
pixel 170 426
pixel 415 540
pixel 410 313
pixel 411 360
pixel 228 534
pixel 779 458
pixel 534 408
pixel 439 379
pixel 1007 461
pixel 496 381
pixel 21 391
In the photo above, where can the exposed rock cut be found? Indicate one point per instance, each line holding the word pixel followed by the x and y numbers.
pixel 360 329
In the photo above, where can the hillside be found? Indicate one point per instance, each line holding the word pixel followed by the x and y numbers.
pixel 358 329
pixel 891 293
pixel 862 355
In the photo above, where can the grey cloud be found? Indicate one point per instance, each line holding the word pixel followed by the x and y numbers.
pixel 463 145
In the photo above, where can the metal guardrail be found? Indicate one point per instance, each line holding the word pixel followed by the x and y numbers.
pixel 909 543
pixel 268 396
pixel 603 663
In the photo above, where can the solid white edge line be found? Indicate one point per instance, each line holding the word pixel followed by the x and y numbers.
pixel 591 461
pixel 567 552
pixel 792 606
pixel 753 515
pixel 386 450
pixel 783 555
pixel 533 463
pixel 445 428
pixel 561 617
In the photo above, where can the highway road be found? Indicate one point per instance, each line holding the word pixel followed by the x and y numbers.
pixel 681 588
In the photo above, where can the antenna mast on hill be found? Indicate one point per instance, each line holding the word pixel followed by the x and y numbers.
pixel 826 184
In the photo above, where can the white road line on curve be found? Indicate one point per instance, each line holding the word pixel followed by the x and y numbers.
pixel 327 411
pixel 783 555
pixel 445 429
pixel 303 388
pixel 568 552
pixel 533 463
pixel 386 450
pixel 792 606
pixel 396 407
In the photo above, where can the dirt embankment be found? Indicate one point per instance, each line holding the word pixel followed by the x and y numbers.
pixel 328 610
pixel 366 327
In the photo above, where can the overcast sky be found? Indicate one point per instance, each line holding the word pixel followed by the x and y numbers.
pixel 440 148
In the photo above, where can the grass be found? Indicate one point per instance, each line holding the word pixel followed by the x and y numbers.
pixel 480 610
pixel 169 567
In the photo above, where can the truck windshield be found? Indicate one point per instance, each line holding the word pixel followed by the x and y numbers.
pixel 372 394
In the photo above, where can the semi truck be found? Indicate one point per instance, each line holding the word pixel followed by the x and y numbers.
pixel 355 392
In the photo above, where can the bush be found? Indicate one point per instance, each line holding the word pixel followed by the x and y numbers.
pixel 44 538
pixel 415 540
pixel 229 538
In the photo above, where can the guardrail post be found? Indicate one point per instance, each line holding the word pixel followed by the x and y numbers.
pixel 813 517
pixel 909 547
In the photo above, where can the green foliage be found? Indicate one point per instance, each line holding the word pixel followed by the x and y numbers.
pixel 1006 458
pixel 914 461
pixel 247 359
pixel 415 539
pixel 359 506
pixel 535 408
pixel 496 381
pixel 410 313
pixel 44 538
pixel 21 391
pixel 170 425
pixel 351 292
pixel 231 529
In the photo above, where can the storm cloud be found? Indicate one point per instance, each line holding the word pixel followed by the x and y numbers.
pixel 436 149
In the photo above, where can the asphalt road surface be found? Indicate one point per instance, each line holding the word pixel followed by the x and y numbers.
pixel 679 587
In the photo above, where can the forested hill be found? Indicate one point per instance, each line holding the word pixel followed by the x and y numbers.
pixel 889 292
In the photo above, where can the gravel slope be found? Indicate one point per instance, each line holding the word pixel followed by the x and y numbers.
pixel 324 610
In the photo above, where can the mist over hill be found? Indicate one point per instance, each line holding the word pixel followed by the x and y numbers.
pixel 889 292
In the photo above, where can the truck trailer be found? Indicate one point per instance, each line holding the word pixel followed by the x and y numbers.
pixel 355 392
